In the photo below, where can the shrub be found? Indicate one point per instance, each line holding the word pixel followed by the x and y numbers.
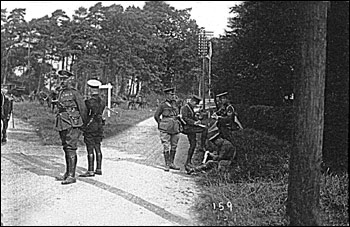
pixel 276 121
pixel 259 156
pixel 335 199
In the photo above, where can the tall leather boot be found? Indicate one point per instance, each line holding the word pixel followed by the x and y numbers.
pixel 98 170
pixel 204 136
pixel 171 159
pixel 90 172
pixel 189 158
pixel 166 157
pixel 71 172
pixel 65 175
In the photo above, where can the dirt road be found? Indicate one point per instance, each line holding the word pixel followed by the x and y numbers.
pixel 133 190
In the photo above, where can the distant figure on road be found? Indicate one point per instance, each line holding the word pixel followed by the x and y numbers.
pixel 192 126
pixel 167 118
pixel 93 128
pixel 70 118
pixel 6 111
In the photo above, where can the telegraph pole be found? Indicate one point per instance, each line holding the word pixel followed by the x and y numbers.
pixel 204 45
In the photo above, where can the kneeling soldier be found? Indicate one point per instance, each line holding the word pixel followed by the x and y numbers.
pixel 220 149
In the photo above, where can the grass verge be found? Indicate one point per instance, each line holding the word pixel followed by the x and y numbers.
pixel 43 119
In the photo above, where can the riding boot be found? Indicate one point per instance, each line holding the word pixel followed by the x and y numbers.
pixel 171 163
pixel 98 170
pixel 71 171
pixel 166 157
pixel 65 175
pixel 90 172
pixel 204 136
pixel 189 158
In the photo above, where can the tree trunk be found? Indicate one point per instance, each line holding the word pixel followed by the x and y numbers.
pixel 306 157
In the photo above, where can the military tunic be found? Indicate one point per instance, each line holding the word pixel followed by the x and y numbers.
pixel 70 118
pixel 93 129
pixel 168 125
pixel 6 111
pixel 190 129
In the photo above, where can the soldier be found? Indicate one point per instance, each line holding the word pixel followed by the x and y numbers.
pixel 167 118
pixel 219 149
pixel 70 118
pixel 6 111
pixel 227 117
pixel 93 129
pixel 192 126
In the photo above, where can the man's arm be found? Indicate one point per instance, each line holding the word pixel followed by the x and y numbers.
pixel 81 106
pixel 186 115
pixel 158 113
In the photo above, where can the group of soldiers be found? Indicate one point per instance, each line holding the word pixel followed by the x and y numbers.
pixel 216 138
pixel 77 116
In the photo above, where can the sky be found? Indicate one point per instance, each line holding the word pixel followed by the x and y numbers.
pixel 212 15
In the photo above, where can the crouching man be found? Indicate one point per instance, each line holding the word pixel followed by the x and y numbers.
pixel 219 151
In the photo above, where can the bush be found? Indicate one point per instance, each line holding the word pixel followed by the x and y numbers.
pixel 335 199
pixel 276 121
pixel 259 156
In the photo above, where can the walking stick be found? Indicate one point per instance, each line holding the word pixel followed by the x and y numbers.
pixel 13 120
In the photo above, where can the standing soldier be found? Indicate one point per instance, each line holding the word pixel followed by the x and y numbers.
pixel 191 127
pixel 167 118
pixel 6 111
pixel 93 129
pixel 70 118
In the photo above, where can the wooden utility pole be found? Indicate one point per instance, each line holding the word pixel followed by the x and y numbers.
pixel 305 159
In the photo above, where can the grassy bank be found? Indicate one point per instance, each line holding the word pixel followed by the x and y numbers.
pixel 43 119
pixel 254 191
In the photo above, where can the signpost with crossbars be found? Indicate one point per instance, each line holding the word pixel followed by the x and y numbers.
pixel 205 52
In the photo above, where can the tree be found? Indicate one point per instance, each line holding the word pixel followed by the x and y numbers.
pixel 306 157
pixel 336 126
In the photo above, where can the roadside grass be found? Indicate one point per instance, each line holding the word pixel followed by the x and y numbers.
pixel 254 191
pixel 42 118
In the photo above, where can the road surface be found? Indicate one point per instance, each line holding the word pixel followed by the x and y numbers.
pixel 133 190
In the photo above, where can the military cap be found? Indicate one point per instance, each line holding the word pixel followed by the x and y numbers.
pixel 196 98
pixel 64 74
pixel 222 94
pixel 169 90
pixel 93 83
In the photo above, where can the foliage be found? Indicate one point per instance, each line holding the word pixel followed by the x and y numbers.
pixel 276 121
pixel 151 47
pixel 256 187
pixel 258 55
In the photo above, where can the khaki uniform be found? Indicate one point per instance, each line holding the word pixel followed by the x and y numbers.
pixel 169 127
pixel 69 120
pixel 191 130
pixel 6 111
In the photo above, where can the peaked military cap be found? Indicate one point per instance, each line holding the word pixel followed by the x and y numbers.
pixel 169 90
pixel 222 94
pixel 93 83
pixel 196 98
pixel 64 74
